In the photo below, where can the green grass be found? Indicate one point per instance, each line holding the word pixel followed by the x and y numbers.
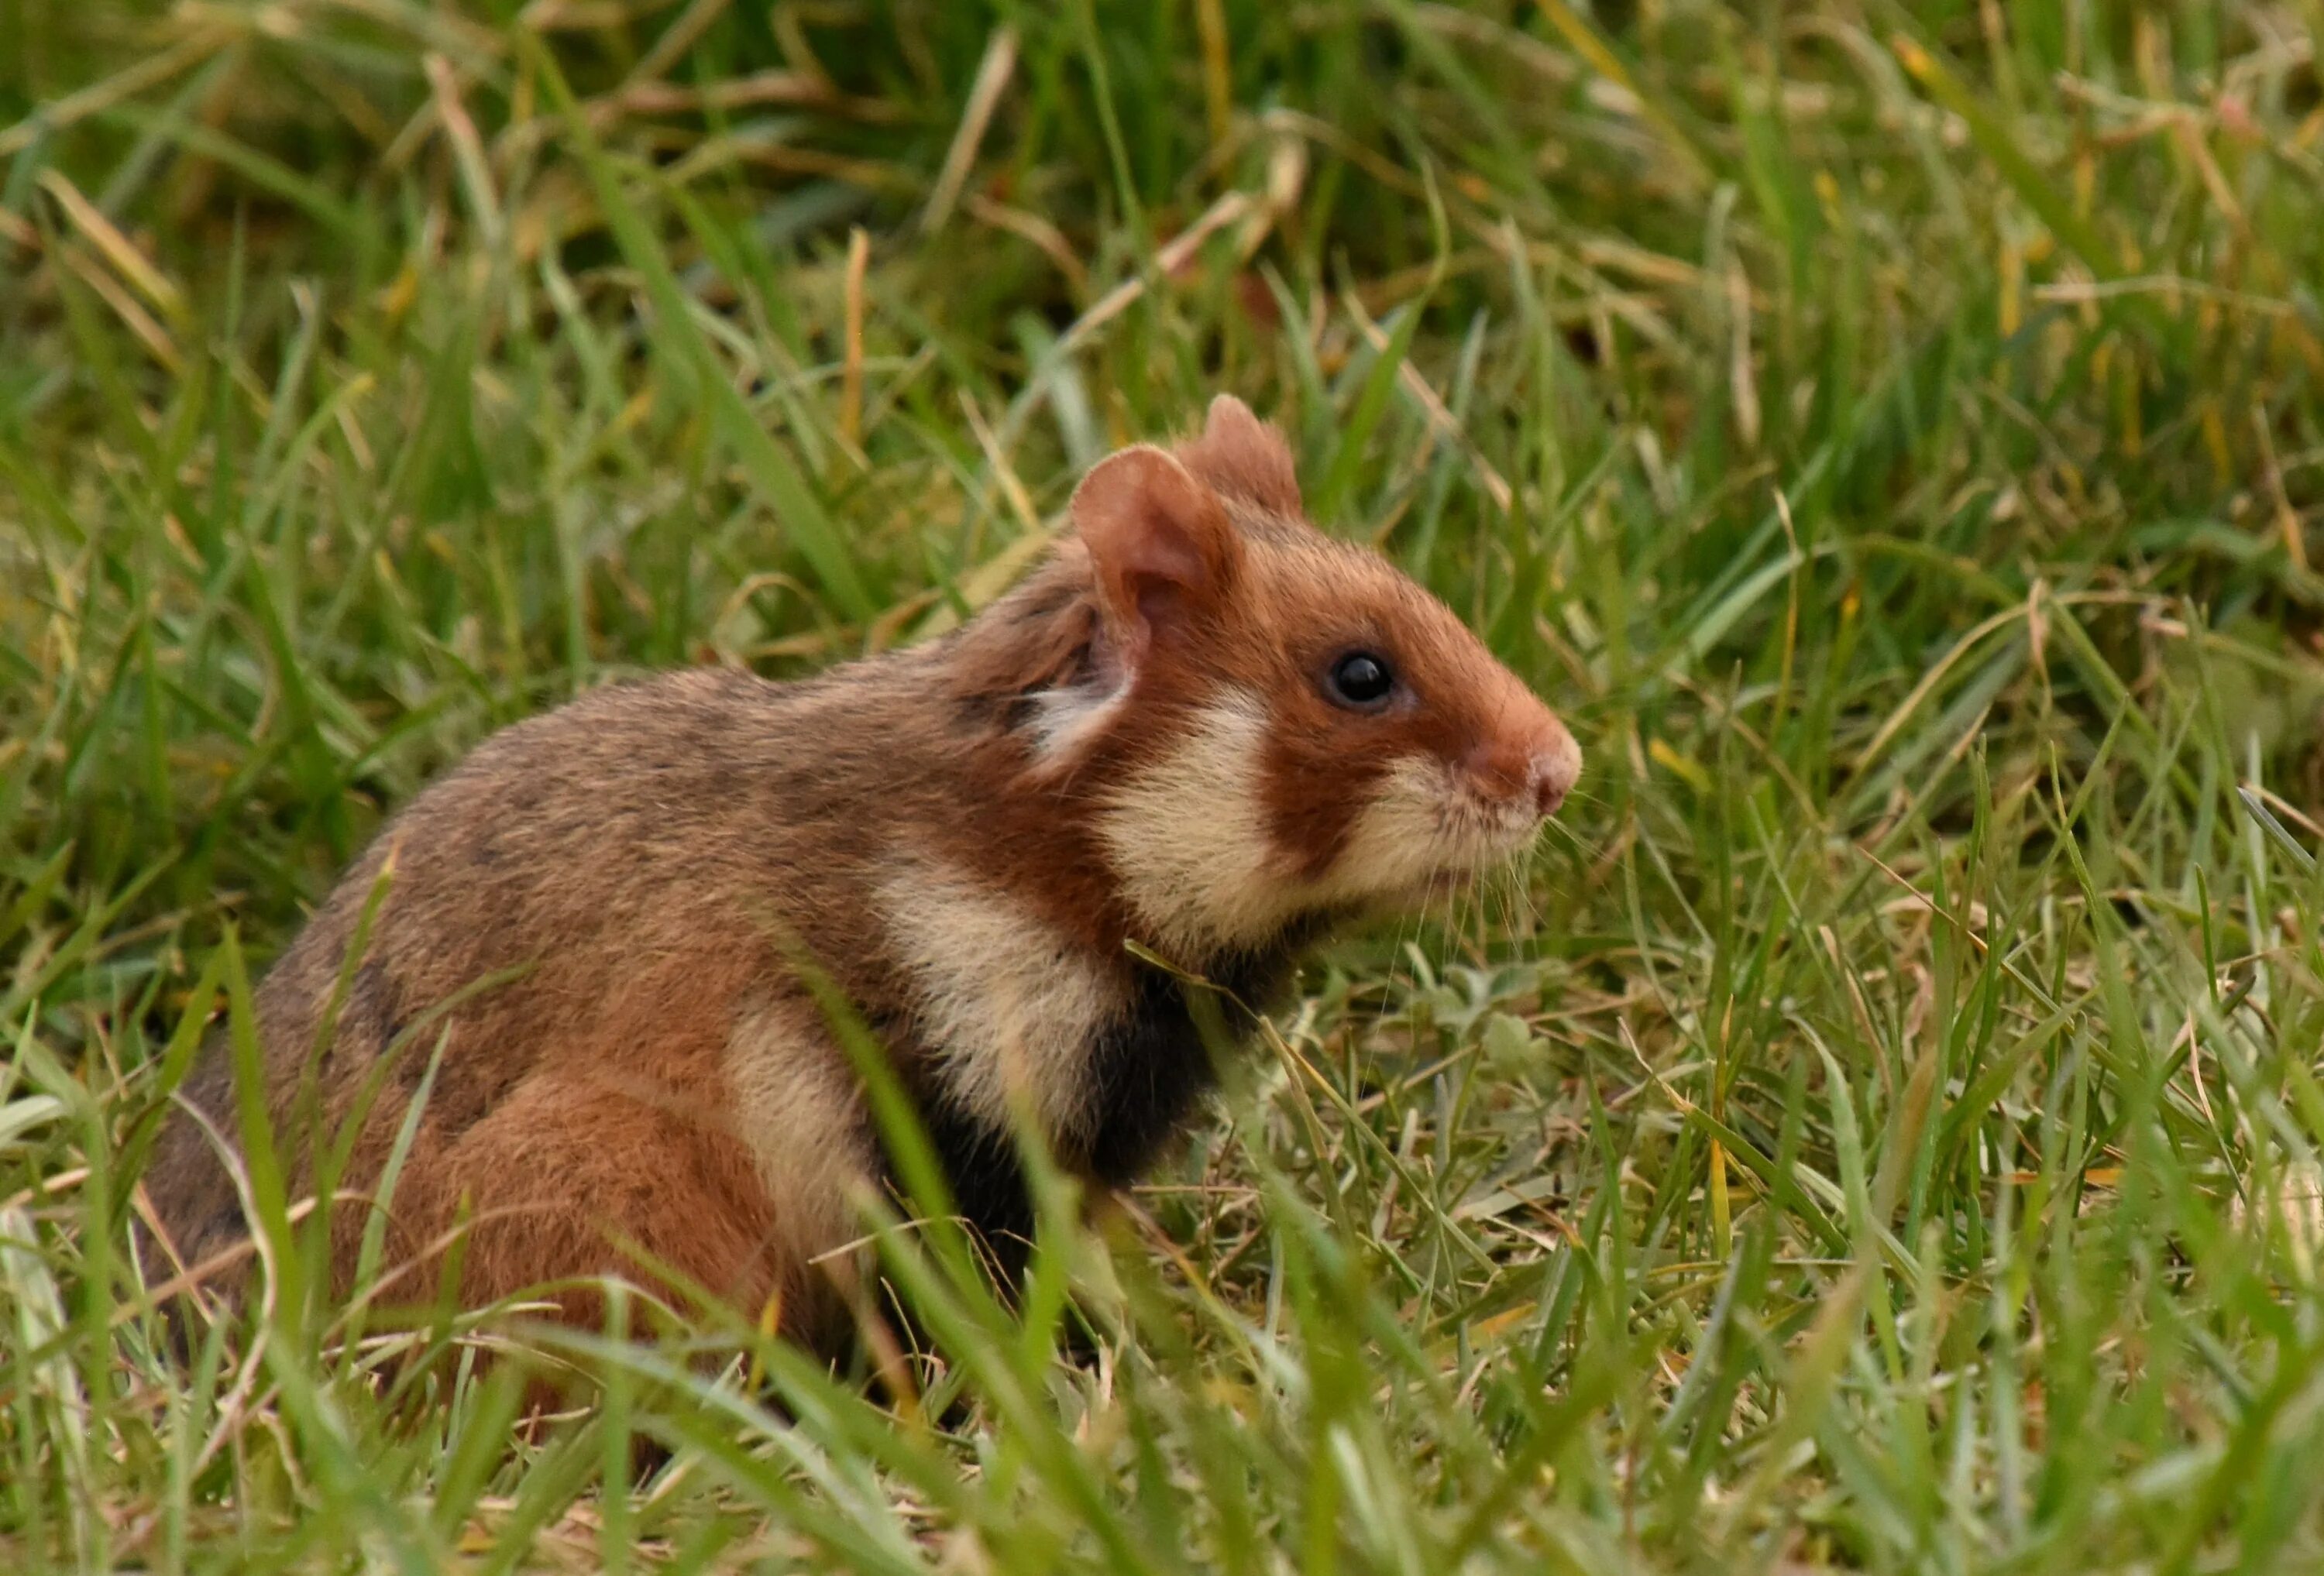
pixel 1885 1135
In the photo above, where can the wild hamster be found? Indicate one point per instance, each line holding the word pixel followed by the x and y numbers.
pixel 1201 725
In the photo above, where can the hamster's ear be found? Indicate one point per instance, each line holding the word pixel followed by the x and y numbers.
pixel 1160 541
pixel 1244 458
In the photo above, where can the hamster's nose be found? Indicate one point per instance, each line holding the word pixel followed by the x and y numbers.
pixel 1554 772
pixel 1536 764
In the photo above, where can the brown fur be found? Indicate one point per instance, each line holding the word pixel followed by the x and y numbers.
pixel 1079 766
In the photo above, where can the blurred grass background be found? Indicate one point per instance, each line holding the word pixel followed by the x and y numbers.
pixel 1885 1134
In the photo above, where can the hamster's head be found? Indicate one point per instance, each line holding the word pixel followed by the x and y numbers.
pixel 1291 728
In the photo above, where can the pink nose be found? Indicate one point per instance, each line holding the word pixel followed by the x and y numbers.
pixel 1539 764
pixel 1554 772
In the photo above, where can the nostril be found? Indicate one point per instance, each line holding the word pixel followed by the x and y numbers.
pixel 1553 777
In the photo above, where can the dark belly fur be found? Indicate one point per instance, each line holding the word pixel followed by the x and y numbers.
pixel 1152 1069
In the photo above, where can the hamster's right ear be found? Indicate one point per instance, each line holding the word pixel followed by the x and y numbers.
pixel 1159 542
pixel 1245 458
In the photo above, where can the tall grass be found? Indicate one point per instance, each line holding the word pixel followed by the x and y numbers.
pixel 1882 1133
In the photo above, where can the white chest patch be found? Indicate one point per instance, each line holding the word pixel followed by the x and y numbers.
pixel 1006 1003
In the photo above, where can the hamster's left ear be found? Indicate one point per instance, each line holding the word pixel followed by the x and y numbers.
pixel 1160 543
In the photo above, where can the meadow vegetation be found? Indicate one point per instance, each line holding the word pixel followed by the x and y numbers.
pixel 1881 1131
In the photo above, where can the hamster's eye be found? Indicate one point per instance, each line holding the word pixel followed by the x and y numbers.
pixel 1361 680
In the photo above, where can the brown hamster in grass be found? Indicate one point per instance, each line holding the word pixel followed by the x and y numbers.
pixel 1201 725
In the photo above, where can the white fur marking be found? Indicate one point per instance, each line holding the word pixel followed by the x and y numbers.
pixel 1189 839
pixel 796 1110
pixel 1190 842
pixel 1004 1001
pixel 1062 718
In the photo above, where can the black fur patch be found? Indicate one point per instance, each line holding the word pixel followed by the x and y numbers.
pixel 1151 1069
pixel 988 1184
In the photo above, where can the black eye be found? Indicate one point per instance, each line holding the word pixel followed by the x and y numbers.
pixel 1361 679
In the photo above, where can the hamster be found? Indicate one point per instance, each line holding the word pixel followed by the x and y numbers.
pixel 1201 725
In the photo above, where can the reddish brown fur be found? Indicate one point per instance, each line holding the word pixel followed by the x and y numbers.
pixel 637 857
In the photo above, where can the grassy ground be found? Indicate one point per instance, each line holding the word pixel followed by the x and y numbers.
pixel 1885 1135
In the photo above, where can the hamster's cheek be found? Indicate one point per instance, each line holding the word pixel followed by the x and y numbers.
pixel 1399 842
pixel 1187 834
